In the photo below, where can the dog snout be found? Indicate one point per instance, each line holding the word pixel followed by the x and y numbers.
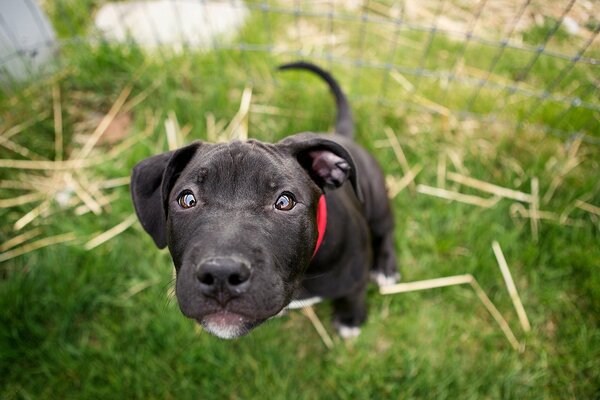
pixel 223 278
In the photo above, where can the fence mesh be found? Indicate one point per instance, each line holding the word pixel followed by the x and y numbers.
pixel 469 59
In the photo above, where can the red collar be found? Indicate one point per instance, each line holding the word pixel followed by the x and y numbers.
pixel 321 222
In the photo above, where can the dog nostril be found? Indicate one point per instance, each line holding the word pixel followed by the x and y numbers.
pixel 206 279
pixel 236 279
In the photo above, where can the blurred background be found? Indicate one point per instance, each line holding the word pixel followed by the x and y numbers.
pixel 484 114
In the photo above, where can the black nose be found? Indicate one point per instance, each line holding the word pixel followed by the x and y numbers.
pixel 223 278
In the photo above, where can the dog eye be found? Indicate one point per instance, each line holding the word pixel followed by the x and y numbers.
pixel 285 202
pixel 186 200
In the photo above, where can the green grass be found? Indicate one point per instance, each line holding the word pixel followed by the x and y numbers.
pixel 99 324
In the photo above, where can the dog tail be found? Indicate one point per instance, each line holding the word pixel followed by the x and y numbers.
pixel 344 124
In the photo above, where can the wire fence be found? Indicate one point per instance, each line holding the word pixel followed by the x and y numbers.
pixel 492 60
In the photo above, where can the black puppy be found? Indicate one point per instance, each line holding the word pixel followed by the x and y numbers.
pixel 254 226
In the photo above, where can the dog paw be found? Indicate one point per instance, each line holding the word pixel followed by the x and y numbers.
pixel 383 280
pixel 284 312
pixel 296 304
pixel 347 332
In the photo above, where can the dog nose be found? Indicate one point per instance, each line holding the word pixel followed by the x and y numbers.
pixel 223 278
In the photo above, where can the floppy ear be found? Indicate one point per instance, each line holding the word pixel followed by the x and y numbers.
pixel 151 182
pixel 328 163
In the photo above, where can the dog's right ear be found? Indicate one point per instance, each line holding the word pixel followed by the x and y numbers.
pixel 151 182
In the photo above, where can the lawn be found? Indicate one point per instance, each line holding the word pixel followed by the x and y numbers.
pixel 101 322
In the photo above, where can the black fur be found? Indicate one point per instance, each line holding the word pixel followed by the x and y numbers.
pixel 240 260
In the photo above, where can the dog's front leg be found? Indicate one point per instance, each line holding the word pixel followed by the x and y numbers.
pixel 385 269
pixel 349 313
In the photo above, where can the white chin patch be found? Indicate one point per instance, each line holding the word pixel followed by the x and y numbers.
pixel 224 326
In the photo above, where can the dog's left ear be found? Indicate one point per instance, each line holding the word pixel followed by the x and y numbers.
pixel 328 163
pixel 151 182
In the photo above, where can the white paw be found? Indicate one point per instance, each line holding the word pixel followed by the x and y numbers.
pixel 296 304
pixel 347 332
pixel 280 314
pixel 383 280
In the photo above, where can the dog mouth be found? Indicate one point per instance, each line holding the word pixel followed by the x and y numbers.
pixel 227 325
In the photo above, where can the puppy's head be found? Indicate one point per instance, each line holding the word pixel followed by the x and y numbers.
pixel 239 220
